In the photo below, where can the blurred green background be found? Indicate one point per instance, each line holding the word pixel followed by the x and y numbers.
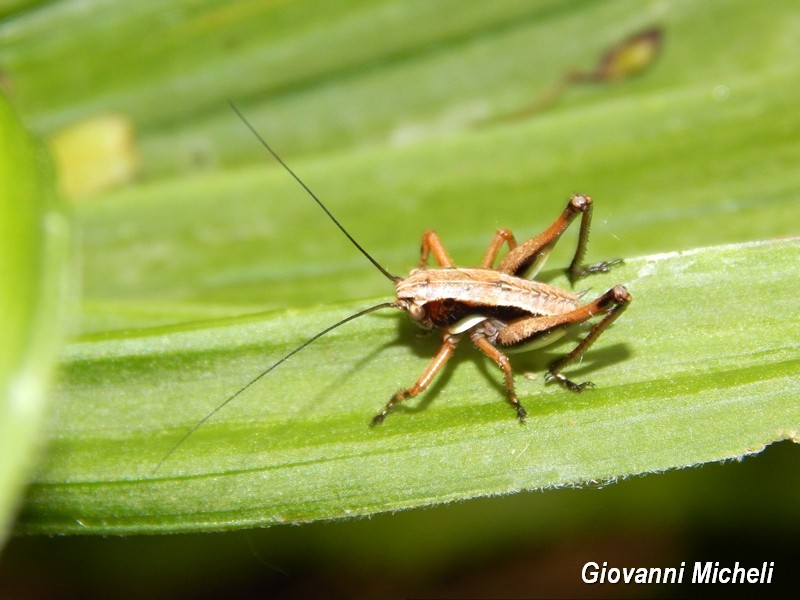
pixel 418 103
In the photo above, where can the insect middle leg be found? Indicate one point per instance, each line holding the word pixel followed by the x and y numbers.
pixel 445 352
pixel 500 236
pixel 484 345
pixel 529 329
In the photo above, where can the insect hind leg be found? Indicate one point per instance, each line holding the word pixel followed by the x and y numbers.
pixel 527 259
pixel 613 303
pixel 531 330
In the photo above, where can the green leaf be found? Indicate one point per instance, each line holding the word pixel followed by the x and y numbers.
pixel 702 367
pixel 192 286
pixel 32 260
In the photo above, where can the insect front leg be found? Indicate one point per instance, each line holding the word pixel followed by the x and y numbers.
pixel 445 352
pixel 528 258
pixel 478 338
pixel 530 329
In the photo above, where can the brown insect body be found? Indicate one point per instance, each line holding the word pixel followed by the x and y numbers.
pixel 497 307
pixel 485 291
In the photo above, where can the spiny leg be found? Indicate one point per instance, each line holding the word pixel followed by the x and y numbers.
pixel 528 258
pixel 431 243
pixel 542 329
pixel 614 302
pixel 479 339
pixel 445 352
pixel 500 236
pixel 575 271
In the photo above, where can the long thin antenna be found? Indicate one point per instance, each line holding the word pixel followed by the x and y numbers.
pixel 202 421
pixel 312 194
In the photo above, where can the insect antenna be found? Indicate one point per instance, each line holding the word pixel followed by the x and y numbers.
pixel 264 143
pixel 361 313
pixel 230 398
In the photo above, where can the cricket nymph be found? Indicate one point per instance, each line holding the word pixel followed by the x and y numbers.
pixel 497 306
pixel 501 307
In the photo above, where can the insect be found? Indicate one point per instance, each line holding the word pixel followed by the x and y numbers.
pixel 497 307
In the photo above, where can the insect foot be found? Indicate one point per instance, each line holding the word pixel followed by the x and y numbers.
pixel 601 267
pixel 568 383
pixel 397 398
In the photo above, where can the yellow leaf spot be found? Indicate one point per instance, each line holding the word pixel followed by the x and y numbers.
pixel 94 155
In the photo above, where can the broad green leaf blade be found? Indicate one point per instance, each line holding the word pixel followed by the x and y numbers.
pixel 699 151
pixel 702 367
pixel 361 74
pixel 32 260
pixel 679 158
pixel 251 240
